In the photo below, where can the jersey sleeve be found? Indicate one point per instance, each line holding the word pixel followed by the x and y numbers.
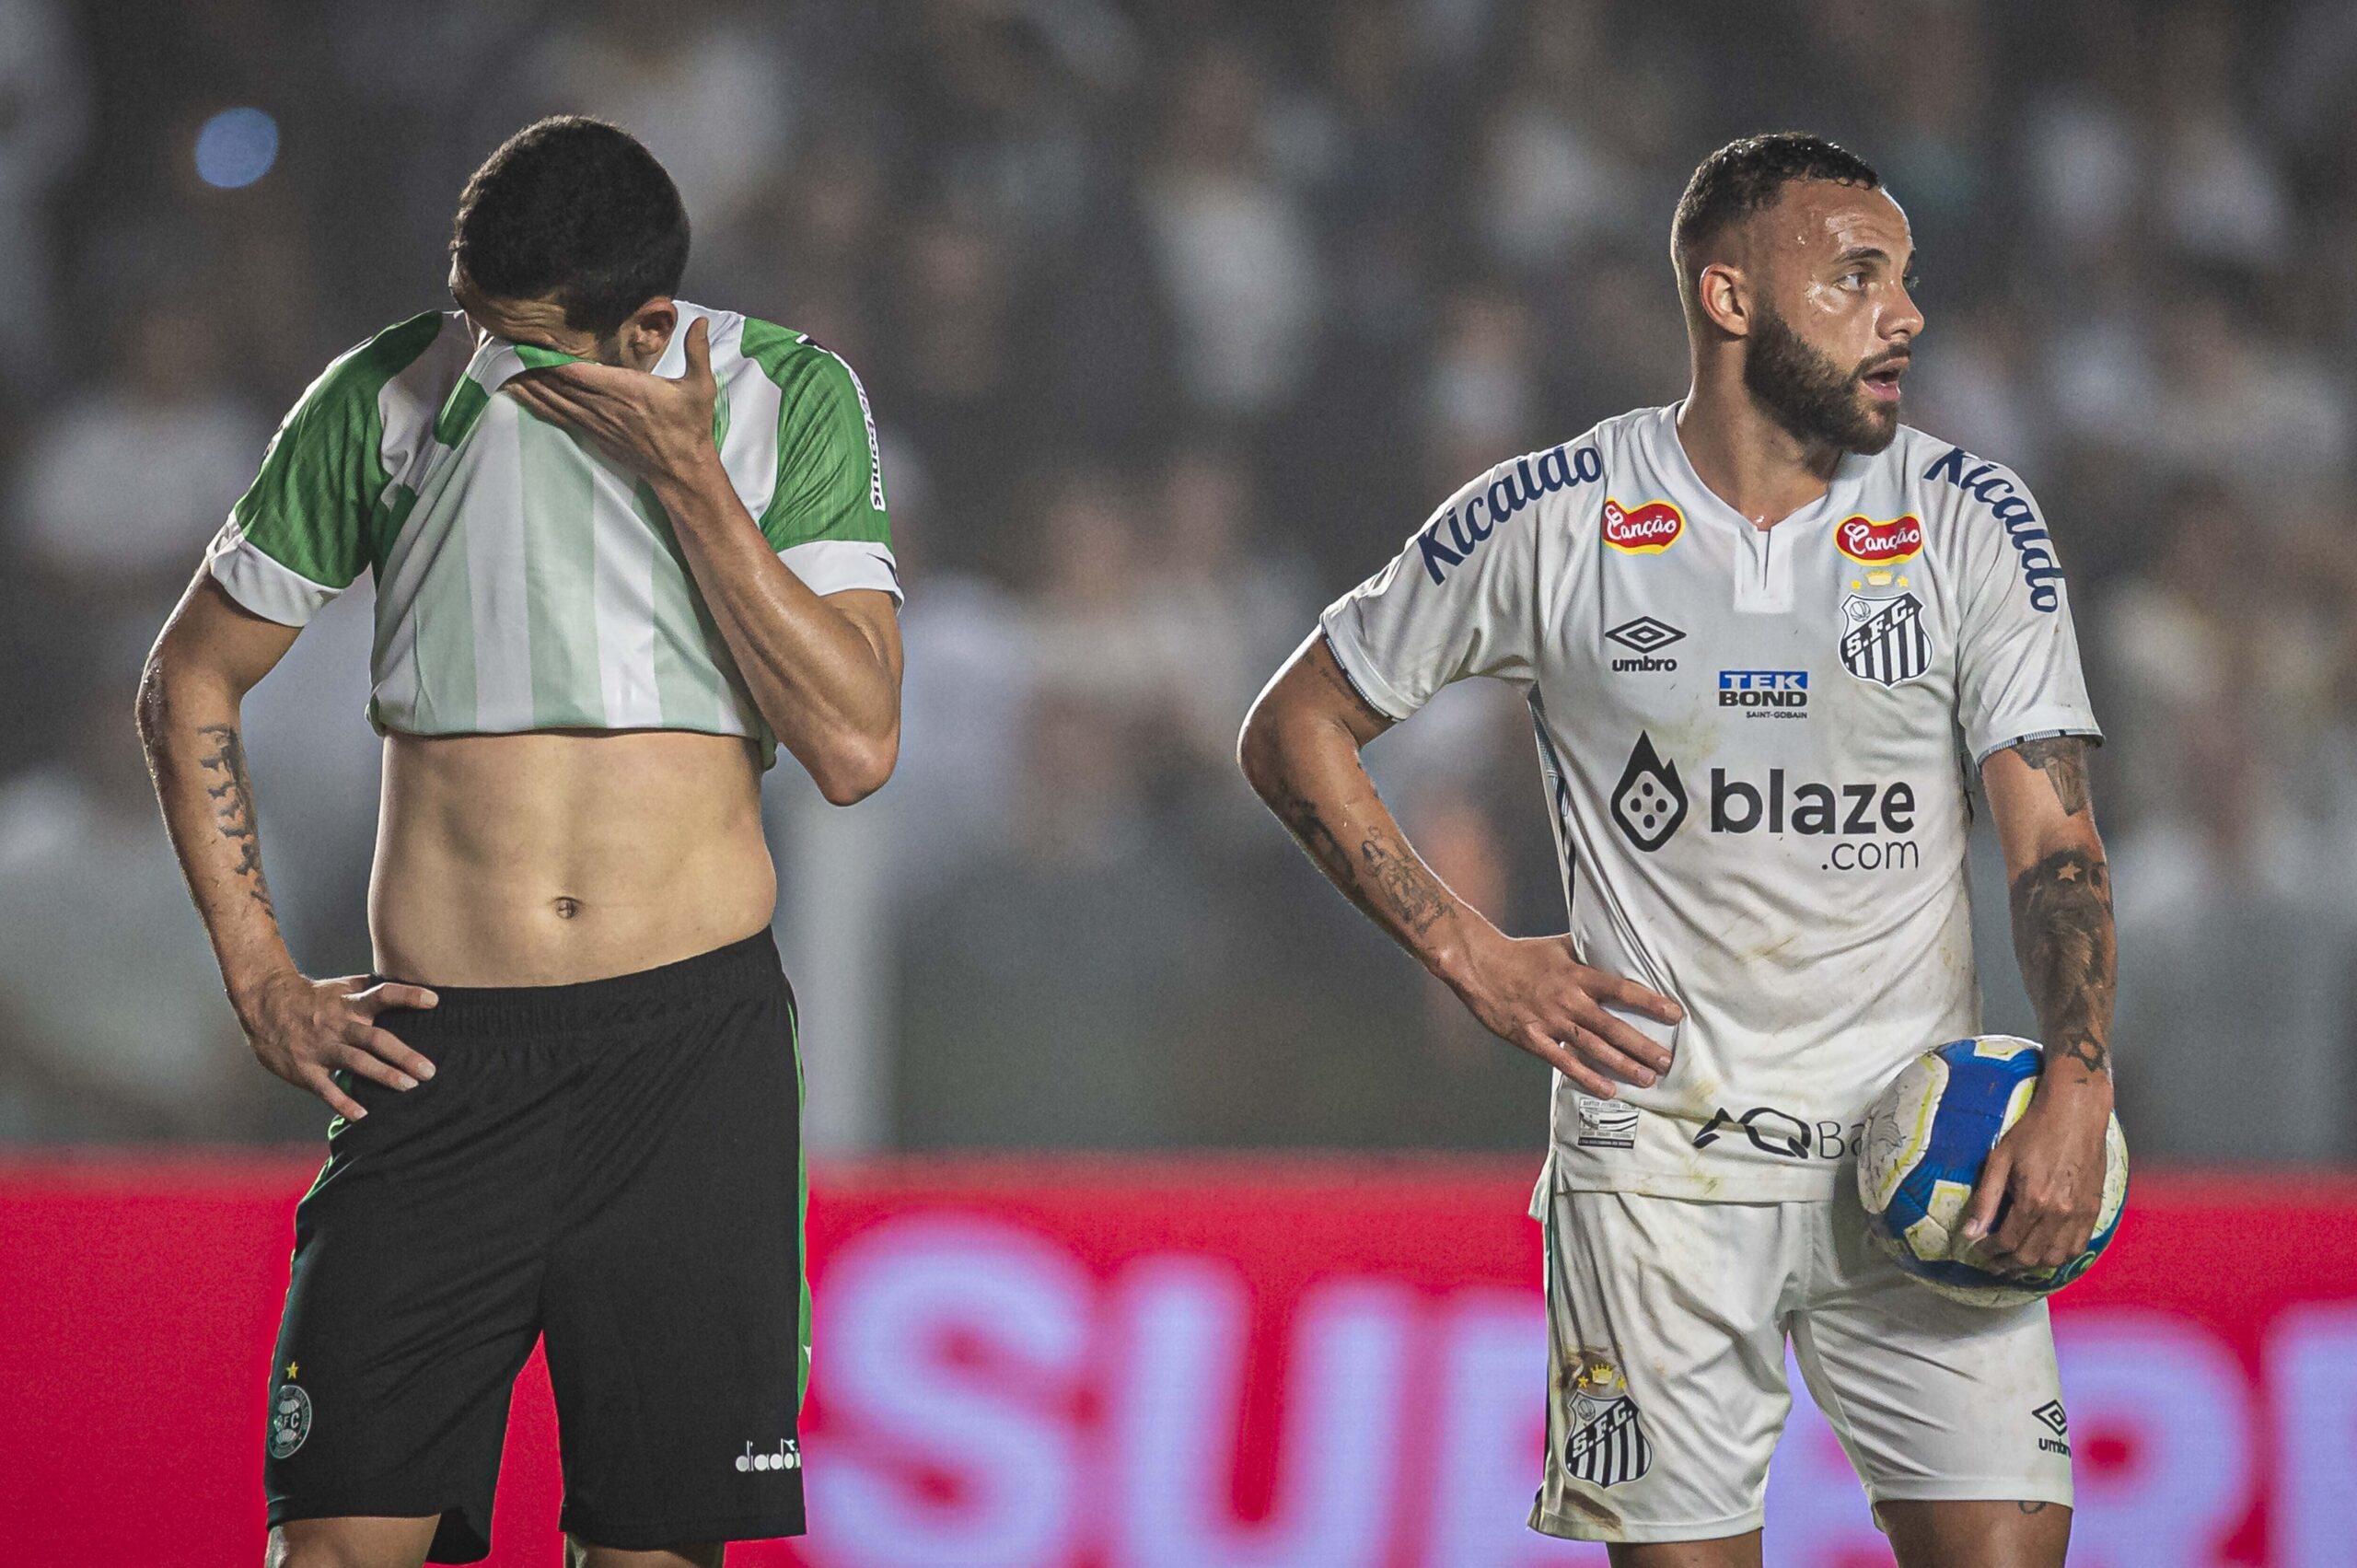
pixel 1460 600
pixel 826 519
pixel 2018 674
pixel 301 533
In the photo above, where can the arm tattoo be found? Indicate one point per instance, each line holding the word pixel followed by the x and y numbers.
pixel 1412 894
pixel 2063 759
pixel 231 790
pixel 2062 934
pixel 1330 669
pixel 1299 814
pixel 1384 880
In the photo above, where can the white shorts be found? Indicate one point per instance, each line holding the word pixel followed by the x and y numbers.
pixel 1666 1321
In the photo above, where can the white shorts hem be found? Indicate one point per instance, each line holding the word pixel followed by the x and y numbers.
pixel 1971 1488
pixel 1566 1527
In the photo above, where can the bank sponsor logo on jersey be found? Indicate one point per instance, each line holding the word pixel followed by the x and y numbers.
pixel 2050 1415
pixel 1457 533
pixel 290 1420
pixel 1867 822
pixel 1885 640
pixel 1648 803
pixel 1606 1123
pixel 1641 530
pixel 1765 694
pixel 1780 1132
pixel 1644 637
pixel 1870 543
pixel 1606 1445
pixel 2034 547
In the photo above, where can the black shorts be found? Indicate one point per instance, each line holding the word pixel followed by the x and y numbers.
pixel 616 1167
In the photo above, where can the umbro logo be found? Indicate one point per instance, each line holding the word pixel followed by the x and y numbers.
pixel 2050 1416
pixel 1645 634
pixel 1645 637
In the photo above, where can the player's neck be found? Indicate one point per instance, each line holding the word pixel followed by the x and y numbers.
pixel 1746 458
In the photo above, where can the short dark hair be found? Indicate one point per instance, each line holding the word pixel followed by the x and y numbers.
pixel 577 209
pixel 1744 178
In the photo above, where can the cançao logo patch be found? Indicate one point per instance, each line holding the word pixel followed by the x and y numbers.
pixel 1871 544
pixel 1642 530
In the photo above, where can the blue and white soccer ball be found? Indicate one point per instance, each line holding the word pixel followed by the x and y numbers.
pixel 1926 1141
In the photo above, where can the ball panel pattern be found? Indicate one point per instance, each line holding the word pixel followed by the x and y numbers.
pixel 1927 1137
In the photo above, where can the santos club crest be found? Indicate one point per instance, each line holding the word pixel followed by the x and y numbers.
pixel 1608 1442
pixel 1884 639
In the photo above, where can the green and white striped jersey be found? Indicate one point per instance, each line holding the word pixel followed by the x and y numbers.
pixel 524 580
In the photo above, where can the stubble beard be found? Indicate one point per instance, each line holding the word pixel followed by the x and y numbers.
pixel 1812 398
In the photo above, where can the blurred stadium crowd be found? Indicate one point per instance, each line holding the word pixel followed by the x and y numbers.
pixel 1177 316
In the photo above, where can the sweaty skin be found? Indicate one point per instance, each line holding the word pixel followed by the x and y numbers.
pixel 543 858
pixel 548 858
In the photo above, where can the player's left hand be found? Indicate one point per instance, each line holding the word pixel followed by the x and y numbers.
pixel 2036 1202
pixel 658 428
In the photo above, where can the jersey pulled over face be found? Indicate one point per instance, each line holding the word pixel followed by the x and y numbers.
pixel 1754 745
pixel 525 581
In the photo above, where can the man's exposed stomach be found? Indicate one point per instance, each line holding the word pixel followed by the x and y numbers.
pixel 555 857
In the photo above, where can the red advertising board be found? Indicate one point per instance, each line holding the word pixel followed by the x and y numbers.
pixel 1200 1363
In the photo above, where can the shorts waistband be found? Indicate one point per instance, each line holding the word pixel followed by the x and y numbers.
pixel 723 975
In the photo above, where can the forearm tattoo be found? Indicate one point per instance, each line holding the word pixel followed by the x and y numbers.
pixel 231 790
pixel 1302 819
pixel 2062 929
pixel 1412 895
pixel 1384 878
pixel 2062 934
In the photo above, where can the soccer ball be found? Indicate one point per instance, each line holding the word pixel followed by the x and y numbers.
pixel 1926 1141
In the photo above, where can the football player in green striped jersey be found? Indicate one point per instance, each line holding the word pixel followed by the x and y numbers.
pixel 624 548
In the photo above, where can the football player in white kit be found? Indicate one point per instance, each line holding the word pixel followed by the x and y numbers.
pixel 1762 633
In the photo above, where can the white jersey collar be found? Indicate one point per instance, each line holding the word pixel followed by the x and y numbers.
pixel 1669 454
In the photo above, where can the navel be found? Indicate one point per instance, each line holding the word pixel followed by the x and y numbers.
pixel 567 908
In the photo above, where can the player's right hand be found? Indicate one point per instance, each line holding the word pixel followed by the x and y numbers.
pixel 305 1030
pixel 1531 993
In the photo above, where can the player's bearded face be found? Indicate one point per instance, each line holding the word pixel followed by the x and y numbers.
pixel 1812 395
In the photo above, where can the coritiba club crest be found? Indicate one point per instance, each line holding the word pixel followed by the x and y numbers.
pixel 290 1420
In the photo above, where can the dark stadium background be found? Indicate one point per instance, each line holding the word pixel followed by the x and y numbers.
pixel 1176 317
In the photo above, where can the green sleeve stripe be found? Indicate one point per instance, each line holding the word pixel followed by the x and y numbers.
pixel 460 411
pixel 535 357
pixel 771 347
pixel 830 468
pixel 868 425
pixel 314 504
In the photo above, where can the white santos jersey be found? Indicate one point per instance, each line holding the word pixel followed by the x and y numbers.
pixel 1755 744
